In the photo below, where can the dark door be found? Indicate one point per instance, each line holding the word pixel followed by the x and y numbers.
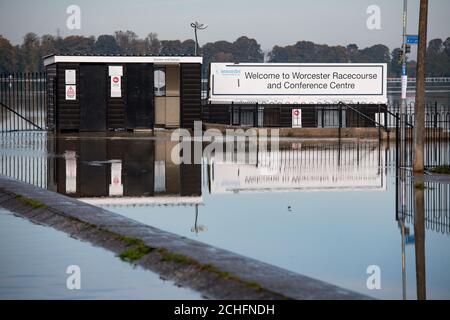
pixel 92 97
pixel 139 105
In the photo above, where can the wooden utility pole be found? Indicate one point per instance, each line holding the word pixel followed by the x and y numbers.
pixel 419 119
pixel 419 239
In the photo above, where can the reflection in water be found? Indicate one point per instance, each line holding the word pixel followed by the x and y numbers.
pixel 419 242
pixel 346 222
pixel 426 206
pixel 197 227
pixel 303 166
pixel 121 172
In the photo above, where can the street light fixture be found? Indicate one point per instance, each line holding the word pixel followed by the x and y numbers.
pixel 197 26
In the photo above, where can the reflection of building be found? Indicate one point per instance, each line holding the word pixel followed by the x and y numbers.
pixel 123 172
pixel 349 166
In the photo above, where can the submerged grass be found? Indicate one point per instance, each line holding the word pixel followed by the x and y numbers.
pixel 420 186
pixel 31 202
pixel 440 169
pixel 136 249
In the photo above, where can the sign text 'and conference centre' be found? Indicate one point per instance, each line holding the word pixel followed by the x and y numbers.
pixel 298 83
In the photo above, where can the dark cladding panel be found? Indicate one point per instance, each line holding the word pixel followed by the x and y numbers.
pixel 67 111
pixel 190 108
pixel 92 93
pixel 51 96
pixel 139 166
pixel 139 108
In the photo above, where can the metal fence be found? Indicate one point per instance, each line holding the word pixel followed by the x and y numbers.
pixel 280 115
pixel 23 156
pixel 436 204
pixel 437 133
pixel 384 117
pixel 23 100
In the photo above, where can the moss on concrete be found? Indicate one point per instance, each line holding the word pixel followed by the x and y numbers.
pixel 419 186
pixel 137 249
pixel 30 202
pixel 440 169
pixel 135 253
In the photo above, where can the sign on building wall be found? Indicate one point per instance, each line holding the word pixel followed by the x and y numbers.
pixel 116 87
pixel 116 73
pixel 70 76
pixel 70 81
pixel 71 92
pixel 296 118
pixel 298 83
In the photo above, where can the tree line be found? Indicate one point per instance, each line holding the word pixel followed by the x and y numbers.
pixel 27 56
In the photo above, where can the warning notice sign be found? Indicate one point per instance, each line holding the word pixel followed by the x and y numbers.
pixel 71 92
pixel 296 118
pixel 116 87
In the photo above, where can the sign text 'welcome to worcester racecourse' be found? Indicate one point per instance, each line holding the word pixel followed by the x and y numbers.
pixel 298 83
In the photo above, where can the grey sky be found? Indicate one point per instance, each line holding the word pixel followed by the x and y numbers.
pixel 270 22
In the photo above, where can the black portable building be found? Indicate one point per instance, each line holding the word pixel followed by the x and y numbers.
pixel 100 93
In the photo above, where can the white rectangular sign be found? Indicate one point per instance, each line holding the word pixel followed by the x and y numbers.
pixel 70 76
pixel 298 83
pixel 296 118
pixel 71 92
pixel 115 71
pixel 116 86
pixel 404 86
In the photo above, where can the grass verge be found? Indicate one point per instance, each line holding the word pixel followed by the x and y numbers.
pixel 440 169
pixel 31 202
pixel 136 249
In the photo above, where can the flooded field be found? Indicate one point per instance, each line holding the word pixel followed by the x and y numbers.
pixel 328 209
pixel 35 260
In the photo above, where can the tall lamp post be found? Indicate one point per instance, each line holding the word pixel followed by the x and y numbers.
pixel 197 26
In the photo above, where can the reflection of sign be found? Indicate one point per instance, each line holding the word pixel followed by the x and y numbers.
pixel 71 171
pixel 116 87
pixel 409 239
pixel 70 77
pixel 71 92
pixel 116 186
pixel 296 118
pixel 298 82
pixel 320 170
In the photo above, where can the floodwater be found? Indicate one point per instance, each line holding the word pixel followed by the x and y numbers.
pixel 333 210
pixel 35 260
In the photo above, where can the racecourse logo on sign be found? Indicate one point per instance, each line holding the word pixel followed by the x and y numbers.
pixel 299 83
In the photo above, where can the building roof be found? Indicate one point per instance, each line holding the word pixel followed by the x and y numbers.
pixel 51 59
